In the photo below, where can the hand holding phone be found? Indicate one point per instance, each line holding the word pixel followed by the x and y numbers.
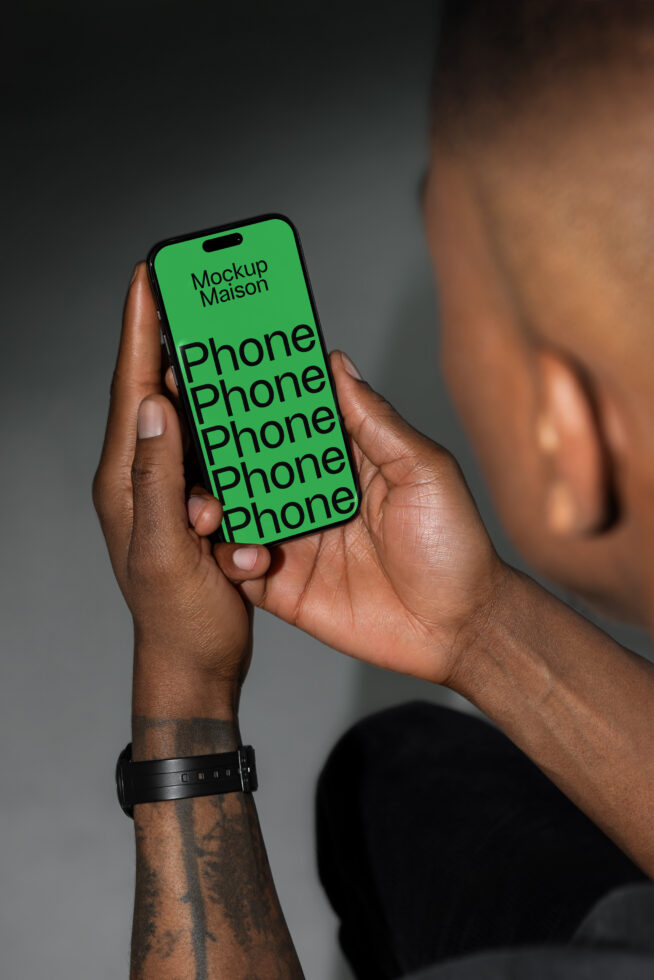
pixel 249 360
pixel 401 586
pixel 415 579
pixel 192 628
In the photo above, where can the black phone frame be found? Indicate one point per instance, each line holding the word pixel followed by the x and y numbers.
pixel 171 350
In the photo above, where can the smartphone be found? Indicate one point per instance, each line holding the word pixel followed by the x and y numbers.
pixel 241 330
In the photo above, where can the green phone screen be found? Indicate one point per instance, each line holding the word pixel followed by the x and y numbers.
pixel 250 363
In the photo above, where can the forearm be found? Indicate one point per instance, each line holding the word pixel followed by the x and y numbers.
pixel 578 703
pixel 205 901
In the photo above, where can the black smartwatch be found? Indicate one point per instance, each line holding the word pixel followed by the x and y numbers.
pixel 178 779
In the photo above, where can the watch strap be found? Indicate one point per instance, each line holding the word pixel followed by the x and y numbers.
pixel 175 779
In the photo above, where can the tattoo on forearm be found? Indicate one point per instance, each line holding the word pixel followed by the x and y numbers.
pixel 243 888
pixel 193 895
pixel 226 866
pixel 146 936
pixel 186 736
pixel 146 904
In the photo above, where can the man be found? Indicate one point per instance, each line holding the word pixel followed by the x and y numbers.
pixel 439 836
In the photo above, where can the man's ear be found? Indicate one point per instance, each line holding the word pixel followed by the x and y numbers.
pixel 578 490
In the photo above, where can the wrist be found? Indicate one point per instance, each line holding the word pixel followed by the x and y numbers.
pixel 491 624
pixel 181 711
pixel 168 737
pixel 163 686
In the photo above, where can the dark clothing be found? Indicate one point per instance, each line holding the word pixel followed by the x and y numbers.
pixel 542 963
pixel 615 942
pixel 437 838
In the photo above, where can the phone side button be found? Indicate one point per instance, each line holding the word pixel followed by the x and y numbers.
pixel 172 368
pixel 158 315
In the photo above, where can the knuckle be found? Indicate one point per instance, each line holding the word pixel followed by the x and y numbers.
pixel 119 379
pixel 146 472
pixel 368 427
pixel 99 492
pixel 433 455
pixel 111 495
pixel 446 462
pixel 122 385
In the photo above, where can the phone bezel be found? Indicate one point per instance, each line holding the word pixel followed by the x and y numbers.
pixel 171 350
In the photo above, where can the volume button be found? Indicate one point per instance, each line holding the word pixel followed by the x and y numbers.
pixel 172 368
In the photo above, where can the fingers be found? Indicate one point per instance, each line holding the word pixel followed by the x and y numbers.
pixel 238 562
pixel 137 374
pixel 160 521
pixel 204 511
pixel 381 433
pixel 138 369
pixel 241 563
pixel 161 514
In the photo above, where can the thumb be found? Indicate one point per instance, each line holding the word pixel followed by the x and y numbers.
pixel 377 428
pixel 160 516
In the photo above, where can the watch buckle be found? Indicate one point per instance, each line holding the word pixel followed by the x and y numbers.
pixel 244 769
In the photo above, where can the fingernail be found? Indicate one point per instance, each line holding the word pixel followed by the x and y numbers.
pixel 349 366
pixel 245 558
pixel 561 509
pixel 151 419
pixel 134 274
pixel 195 507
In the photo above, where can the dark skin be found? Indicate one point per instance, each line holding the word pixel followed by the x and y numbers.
pixel 412 584
pixel 205 902
pixel 542 250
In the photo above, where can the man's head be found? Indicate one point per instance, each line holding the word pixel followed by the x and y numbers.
pixel 539 207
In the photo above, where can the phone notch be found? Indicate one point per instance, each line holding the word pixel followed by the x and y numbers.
pixel 225 241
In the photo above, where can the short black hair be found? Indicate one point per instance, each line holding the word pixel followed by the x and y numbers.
pixel 494 55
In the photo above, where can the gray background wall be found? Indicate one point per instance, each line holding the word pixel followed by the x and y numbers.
pixel 129 123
